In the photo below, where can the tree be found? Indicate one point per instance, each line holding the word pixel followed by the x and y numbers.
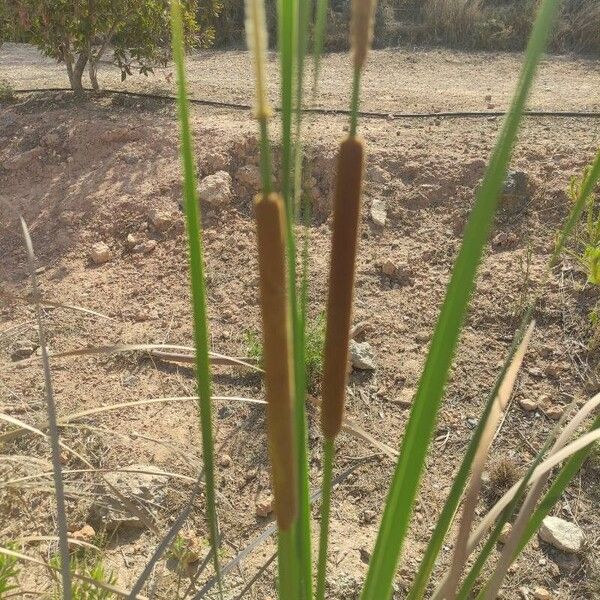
pixel 79 32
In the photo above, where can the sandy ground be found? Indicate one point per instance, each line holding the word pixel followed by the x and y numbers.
pixel 397 80
pixel 83 172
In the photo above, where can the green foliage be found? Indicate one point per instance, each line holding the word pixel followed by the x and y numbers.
pixel 92 568
pixel 78 32
pixel 7 93
pixel 587 238
pixel 9 570
pixel 313 352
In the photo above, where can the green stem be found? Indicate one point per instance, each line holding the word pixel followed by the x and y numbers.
pixel 328 455
pixel 265 157
pixel 354 102
pixel 286 555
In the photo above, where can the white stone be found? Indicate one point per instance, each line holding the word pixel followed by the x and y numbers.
pixel 362 356
pixel 100 253
pixel 561 534
pixel 216 188
pixel 379 212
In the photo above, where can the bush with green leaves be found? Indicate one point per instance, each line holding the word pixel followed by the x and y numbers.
pixel 79 33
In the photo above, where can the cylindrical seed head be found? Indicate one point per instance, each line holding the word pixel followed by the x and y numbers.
pixel 346 217
pixel 277 352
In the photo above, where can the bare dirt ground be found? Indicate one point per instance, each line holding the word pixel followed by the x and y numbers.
pixel 82 172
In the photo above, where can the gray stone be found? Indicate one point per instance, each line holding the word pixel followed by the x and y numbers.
pixel 216 189
pixel 109 512
pixel 379 212
pixel 23 349
pixel 515 193
pixel 362 356
pixel 561 534
pixel 100 253
pixel 249 177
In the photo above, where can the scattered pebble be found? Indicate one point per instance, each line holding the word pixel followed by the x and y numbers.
pixel 132 240
pixel 389 268
pixel 161 219
pixel 249 177
pixel 146 247
pixel 100 253
pixel 504 240
pixel 23 349
pixel 505 532
pixel 541 593
pixel 225 461
pixel 216 189
pixel 85 534
pixel 379 212
pixel 528 404
pixel 554 412
pixel 264 506
pixel 561 534
pixel 362 356
pixel 367 516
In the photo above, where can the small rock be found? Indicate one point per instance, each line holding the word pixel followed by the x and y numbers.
pixel 488 98
pixel 389 268
pixel 23 349
pixel 264 506
pixel 567 563
pixel 100 253
pixel 216 189
pixel 362 356
pixel 145 485
pixel 225 461
pixel 215 161
pixel 505 532
pixel 249 177
pixel 146 247
pixel 161 219
pixel 554 412
pixel 422 337
pixel 524 592
pixel 85 534
pixel 378 174
pixel 504 240
pixel 379 212
pixel 514 194
pixel 528 404
pixel 561 534
pixel 24 159
pixel 540 593
pixel 132 240
pixel 367 516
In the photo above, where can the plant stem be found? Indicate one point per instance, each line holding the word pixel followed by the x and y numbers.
pixel 265 157
pixel 354 102
pixel 328 456
pixel 286 554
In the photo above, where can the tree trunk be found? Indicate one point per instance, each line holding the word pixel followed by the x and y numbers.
pixel 76 83
pixel 93 72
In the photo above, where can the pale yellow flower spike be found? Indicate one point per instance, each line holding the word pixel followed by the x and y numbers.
pixel 256 38
pixel 361 30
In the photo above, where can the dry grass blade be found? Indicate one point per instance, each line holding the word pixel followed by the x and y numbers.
pixel 129 505
pixel 474 487
pixel 97 584
pixel 54 538
pixel 215 359
pixel 512 543
pixel 156 473
pixel 12 435
pixel 152 349
pixel 167 539
pixel 61 511
pixel 544 468
pixel 6 295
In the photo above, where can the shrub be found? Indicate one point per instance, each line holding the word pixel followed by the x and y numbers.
pixel 79 32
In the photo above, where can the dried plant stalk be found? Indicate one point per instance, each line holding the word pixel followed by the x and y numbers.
pixel 270 224
pixel 341 283
pixel 361 30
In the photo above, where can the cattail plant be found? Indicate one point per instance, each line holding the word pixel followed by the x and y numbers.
pixel 346 219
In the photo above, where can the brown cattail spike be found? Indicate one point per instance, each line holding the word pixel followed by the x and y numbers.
pixel 270 225
pixel 346 215
pixel 361 30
